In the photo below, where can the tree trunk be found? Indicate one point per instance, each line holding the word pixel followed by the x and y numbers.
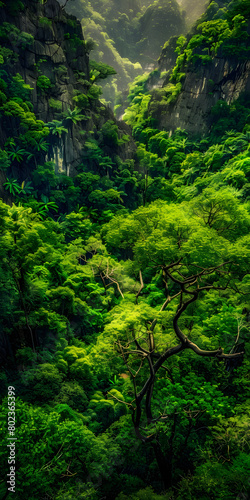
pixel 164 464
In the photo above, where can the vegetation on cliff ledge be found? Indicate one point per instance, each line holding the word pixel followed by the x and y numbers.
pixel 124 286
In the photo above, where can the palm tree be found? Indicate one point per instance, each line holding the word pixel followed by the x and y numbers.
pixel 17 153
pixel 12 186
pixel 26 188
pixel 74 115
pixel 41 145
pixel 44 208
pixel 56 128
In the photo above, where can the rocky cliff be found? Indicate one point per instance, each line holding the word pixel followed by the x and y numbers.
pixel 223 79
pixel 213 64
pixel 51 56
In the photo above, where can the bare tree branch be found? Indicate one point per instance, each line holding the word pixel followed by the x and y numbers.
pixel 141 287
pixel 190 289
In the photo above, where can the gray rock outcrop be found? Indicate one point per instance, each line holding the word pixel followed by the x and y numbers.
pixel 57 51
pixel 222 79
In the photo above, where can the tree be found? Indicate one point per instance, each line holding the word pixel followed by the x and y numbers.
pixel 101 70
pixel 56 128
pixel 74 115
pixel 191 259
pixel 17 153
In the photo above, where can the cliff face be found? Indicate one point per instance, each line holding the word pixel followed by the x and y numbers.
pixel 222 79
pixel 50 27
pixel 56 50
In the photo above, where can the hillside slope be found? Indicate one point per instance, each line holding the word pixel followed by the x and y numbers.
pixel 209 65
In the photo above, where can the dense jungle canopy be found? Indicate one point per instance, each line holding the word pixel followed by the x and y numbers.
pixel 125 249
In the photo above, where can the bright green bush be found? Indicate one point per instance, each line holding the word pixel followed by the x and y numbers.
pixel 43 83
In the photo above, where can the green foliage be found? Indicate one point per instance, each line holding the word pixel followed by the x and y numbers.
pixel 56 128
pixel 145 494
pixel 81 100
pixel 92 267
pixel 73 40
pixel 55 104
pixel 12 186
pixel 15 7
pixel 60 70
pixel 74 115
pixel 44 21
pixel 44 176
pixel 89 45
pixel 72 394
pixel 18 119
pixel 100 71
pixel 4 160
pixel 43 382
pixel 109 132
pixel 19 88
pixel 94 92
pixel 10 32
pixel 8 56
pixel 43 83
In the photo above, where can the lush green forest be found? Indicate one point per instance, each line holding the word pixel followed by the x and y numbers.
pixel 128 35
pixel 125 250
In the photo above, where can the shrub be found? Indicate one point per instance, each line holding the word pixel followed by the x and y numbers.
pixel 44 382
pixel 94 92
pixel 60 70
pixel 81 100
pixel 55 104
pixel 44 21
pixel 43 83
pixel 73 394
